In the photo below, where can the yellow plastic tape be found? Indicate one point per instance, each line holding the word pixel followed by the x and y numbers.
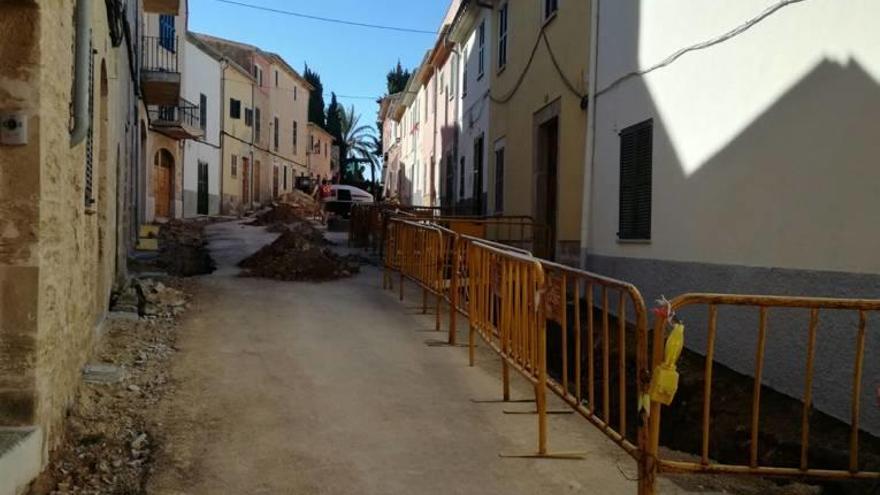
pixel 664 380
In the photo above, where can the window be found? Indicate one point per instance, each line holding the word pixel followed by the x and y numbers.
pixel 234 167
pixel 258 75
pixel 325 150
pixel 89 197
pixel 167 32
pixel 499 180
pixel 294 136
pixel 294 93
pixel 275 133
pixel 502 35
pixel 453 78
pixel 248 117
pixel 550 8
pixel 481 58
pixel 464 77
pixel 636 149
pixel 276 78
pixel 203 111
pixel 461 179
pixel 234 108
pixel 285 177
pixel 258 128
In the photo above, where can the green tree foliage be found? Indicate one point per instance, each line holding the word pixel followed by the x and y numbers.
pixel 316 99
pixel 360 143
pixel 397 79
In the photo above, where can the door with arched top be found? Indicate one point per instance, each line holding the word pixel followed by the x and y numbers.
pixel 163 173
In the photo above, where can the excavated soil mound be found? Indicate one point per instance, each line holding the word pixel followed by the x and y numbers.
pixel 298 254
pixel 283 213
pixel 183 248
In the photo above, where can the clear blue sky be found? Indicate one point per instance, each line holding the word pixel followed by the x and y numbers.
pixel 351 60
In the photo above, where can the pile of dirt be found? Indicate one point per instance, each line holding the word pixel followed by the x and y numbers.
pixel 109 438
pixel 183 248
pixel 300 200
pixel 300 254
pixel 281 213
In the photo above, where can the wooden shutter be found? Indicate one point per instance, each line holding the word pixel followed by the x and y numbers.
pixel 636 166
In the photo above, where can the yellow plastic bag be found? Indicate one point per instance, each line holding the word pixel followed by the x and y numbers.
pixel 664 380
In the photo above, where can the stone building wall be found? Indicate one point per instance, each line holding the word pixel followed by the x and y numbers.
pixel 58 256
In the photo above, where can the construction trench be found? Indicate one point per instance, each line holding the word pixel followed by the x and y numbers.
pixel 248 382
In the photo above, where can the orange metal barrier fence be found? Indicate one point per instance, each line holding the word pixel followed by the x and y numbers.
pixel 764 305
pixel 582 305
pixel 602 355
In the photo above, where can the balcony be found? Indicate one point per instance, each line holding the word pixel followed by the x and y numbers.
pixel 180 121
pixel 171 7
pixel 160 71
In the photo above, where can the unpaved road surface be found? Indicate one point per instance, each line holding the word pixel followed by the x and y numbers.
pixel 330 388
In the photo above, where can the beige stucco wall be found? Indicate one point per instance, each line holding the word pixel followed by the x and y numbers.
pixel 320 156
pixel 542 88
pixel 58 257
pixel 236 136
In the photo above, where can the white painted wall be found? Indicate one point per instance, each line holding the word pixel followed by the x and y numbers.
pixel 202 75
pixel 762 144
pixel 765 154
pixel 475 107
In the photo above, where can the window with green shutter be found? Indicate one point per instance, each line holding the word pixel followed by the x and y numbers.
pixel 636 166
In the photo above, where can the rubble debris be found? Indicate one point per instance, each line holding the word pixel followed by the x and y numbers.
pixel 148 298
pixel 109 437
pixel 103 373
pixel 299 254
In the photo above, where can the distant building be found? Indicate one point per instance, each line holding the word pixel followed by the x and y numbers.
pixel 390 144
pixel 201 157
pixel 319 153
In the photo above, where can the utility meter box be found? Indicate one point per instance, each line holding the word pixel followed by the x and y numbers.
pixel 13 128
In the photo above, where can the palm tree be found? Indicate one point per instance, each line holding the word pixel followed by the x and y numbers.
pixel 359 144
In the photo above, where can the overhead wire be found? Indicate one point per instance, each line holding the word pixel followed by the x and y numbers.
pixel 328 19
pixel 702 45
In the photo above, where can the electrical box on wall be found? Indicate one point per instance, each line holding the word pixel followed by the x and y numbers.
pixel 13 128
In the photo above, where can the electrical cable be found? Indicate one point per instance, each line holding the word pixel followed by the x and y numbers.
pixel 703 45
pixel 328 19
pixel 542 35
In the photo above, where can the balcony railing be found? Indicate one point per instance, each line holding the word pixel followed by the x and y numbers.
pixel 180 121
pixel 159 54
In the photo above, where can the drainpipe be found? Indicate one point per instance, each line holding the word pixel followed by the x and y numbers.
pixel 223 65
pixel 590 151
pixel 81 72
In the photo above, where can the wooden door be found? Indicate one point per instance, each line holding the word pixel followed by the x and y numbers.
pixel 546 187
pixel 245 182
pixel 164 173
pixel 274 182
pixel 257 183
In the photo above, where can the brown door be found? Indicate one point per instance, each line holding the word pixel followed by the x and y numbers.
pixel 546 188
pixel 274 182
pixel 164 176
pixel 257 181
pixel 245 183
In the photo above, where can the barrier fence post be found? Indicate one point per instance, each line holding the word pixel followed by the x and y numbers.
pixel 453 289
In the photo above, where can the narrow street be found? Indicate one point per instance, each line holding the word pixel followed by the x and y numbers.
pixel 330 388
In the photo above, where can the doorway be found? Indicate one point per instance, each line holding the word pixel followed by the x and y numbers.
pixel 257 183
pixel 202 191
pixel 164 183
pixel 477 192
pixel 546 185
pixel 245 183
pixel 275 181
